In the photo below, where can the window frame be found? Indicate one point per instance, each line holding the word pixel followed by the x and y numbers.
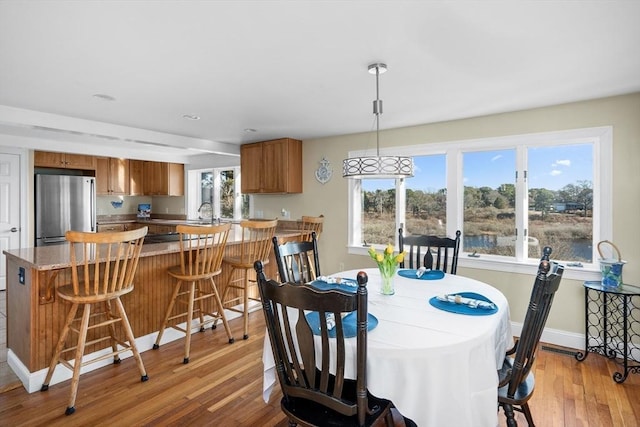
pixel 194 198
pixel 600 137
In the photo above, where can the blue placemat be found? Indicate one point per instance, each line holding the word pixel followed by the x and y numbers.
pixel 464 309
pixel 348 285
pixel 428 275
pixel 348 324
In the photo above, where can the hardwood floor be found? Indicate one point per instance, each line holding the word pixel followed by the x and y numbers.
pixel 222 386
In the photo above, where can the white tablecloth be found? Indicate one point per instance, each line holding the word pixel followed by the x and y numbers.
pixel 438 368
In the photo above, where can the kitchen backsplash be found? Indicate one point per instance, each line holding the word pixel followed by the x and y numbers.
pixel 124 205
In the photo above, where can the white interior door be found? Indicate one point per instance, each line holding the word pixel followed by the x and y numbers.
pixel 9 209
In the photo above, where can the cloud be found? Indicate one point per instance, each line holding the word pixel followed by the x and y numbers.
pixel 555 173
pixel 494 158
pixel 566 163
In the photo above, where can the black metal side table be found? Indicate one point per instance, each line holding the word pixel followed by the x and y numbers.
pixel 612 325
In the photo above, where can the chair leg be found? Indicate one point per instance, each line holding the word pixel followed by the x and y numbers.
pixel 163 326
pixel 112 332
pixel 197 294
pixel 527 414
pixel 245 313
pixel 508 412
pixel 187 340
pixel 132 340
pixel 61 340
pixel 77 364
pixel 221 311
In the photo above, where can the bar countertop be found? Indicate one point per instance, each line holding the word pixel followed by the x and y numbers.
pixel 55 257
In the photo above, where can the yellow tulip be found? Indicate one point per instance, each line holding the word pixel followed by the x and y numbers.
pixel 400 257
pixel 389 249
pixel 379 257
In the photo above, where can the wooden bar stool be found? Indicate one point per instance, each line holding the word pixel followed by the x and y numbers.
pixel 309 225
pixel 201 251
pixel 103 266
pixel 255 246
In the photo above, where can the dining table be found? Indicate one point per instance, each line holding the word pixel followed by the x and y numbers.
pixel 436 360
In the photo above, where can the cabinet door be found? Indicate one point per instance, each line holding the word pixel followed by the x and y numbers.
pixel 110 227
pixel 136 177
pixel 47 159
pixel 79 161
pixel 274 155
pixel 119 176
pixel 102 176
pixel 251 166
pixel 175 179
pixel 153 181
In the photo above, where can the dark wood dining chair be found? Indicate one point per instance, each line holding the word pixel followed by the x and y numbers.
pixel 312 394
pixel 422 248
pixel 298 261
pixel 103 268
pixel 195 291
pixel 516 374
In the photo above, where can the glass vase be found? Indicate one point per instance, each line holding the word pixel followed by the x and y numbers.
pixel 386 286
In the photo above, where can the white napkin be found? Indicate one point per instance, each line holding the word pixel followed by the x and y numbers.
pixel 337 281
pixel 470 302
pixel 421 271
pixel 331 320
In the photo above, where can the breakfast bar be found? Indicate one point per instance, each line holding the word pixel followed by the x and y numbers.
pixel 35 315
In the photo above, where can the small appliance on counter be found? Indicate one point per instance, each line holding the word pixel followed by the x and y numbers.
pixel 144 211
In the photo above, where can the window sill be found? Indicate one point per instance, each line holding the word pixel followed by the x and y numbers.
pixel 486 262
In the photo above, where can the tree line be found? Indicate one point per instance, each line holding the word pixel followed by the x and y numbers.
pixel 422 203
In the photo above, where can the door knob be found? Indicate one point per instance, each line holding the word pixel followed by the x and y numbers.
pixel 13 229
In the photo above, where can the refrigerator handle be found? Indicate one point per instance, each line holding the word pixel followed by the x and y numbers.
pixel 93 205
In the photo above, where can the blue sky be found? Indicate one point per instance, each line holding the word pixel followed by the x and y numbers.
pixel 549 167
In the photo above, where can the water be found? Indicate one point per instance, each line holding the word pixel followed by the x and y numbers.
pixel 581 249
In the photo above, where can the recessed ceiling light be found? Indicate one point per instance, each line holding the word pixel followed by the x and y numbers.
pixel 249 130
pixel 104 97
pixel 190 117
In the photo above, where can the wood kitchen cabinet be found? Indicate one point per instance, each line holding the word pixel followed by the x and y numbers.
pixel 163 179
pixel 136 177
pixel 272 166
pixel 112 176
pixel 47 159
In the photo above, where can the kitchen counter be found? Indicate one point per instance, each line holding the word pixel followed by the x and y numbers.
pixel 35 315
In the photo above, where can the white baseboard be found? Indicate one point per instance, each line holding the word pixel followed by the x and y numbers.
pixel 555 336
pixel 32 381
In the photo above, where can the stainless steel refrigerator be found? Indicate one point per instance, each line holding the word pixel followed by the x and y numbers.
pixel 63 203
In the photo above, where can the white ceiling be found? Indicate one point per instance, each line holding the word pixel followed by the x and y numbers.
pixel 296 68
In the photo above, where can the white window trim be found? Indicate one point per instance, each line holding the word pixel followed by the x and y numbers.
pixel 602 139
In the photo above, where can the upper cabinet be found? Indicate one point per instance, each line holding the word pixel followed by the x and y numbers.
pixel 112 176
pixel 46 159
pixel 136 177
pixel 163 179
pixel 272 166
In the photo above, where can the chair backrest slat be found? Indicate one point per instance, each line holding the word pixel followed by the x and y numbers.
pixel 298 262
pixel 256 240
pixel 309 366
pixel 202 248
pixel 446 251
pixel 104 263
pixel 311 224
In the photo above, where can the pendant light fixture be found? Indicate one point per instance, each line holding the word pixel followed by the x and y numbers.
pixel 377 166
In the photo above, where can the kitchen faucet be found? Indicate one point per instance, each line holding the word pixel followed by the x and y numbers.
pixel 208 211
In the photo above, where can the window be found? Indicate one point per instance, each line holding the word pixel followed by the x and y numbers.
pixel 216 193
pixel 510 197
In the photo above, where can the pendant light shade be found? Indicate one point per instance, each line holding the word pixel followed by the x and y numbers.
pixel 377 166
